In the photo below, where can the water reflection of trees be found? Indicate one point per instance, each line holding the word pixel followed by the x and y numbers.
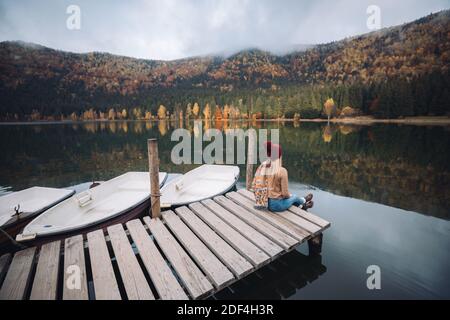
pixel 396 166
pixel 164 126
pixel 327 134
pixel 406 167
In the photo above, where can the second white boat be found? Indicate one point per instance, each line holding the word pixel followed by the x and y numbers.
pixel 204 182
pixel 106 201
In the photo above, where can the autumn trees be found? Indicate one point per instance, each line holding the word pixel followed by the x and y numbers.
pixel 403 71
pixel 196 110
pixel 348 112
pixel 162 112
pixel 207 112
pixel 329 108
pixel 425 95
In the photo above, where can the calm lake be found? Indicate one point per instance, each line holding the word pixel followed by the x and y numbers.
pixel 384 188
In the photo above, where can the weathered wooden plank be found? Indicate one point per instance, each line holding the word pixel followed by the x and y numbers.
pixel 133 278
pixel 230 257
pixel 191 276
pixel 105 284
pixel 310 217
pixel 45 281
pixel 162 277
pixel 217 273
pixel 279 237
pixel 75 280
pixel 247 249
pixel 247 193
pixel 310 227
pixel 4 264
pixel 312 220
pixel 250 233
pixel 306 225
pixel 278 220
pixel 18 276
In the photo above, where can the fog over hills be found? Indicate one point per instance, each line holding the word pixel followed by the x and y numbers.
pixel 53 81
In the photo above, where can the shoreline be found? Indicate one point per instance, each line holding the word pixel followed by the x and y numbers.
pixel 442 121
pixel 434 121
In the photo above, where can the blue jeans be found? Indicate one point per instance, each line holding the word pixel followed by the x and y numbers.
pixel 279 205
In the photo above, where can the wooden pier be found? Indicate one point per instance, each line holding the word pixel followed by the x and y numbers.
pixel 189 253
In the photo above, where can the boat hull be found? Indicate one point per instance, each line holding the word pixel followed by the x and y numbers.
pixel 11 230
pixel 139 211
pixel 111 199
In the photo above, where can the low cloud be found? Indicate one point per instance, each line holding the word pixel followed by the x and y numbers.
pixel 173 29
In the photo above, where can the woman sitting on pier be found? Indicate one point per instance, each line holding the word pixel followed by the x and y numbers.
pixel 270 184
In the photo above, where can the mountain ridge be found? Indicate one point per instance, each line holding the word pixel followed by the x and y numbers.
pixel 76 81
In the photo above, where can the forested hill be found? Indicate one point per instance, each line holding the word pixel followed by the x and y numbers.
pixel 398 71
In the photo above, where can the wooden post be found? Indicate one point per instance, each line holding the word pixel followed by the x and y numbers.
pixel 153 168
pixel 315 245
pixel 250 159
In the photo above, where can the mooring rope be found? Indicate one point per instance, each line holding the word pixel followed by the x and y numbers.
pixel 156 195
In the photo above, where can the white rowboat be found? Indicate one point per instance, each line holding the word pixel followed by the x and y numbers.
pixel 202 183
pixel 30 202
pixel 108 200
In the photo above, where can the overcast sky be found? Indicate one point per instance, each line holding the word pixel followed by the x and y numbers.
pixel 172 29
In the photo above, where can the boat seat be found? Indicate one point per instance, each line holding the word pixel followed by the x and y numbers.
pixel 179 185
pixel 84 199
